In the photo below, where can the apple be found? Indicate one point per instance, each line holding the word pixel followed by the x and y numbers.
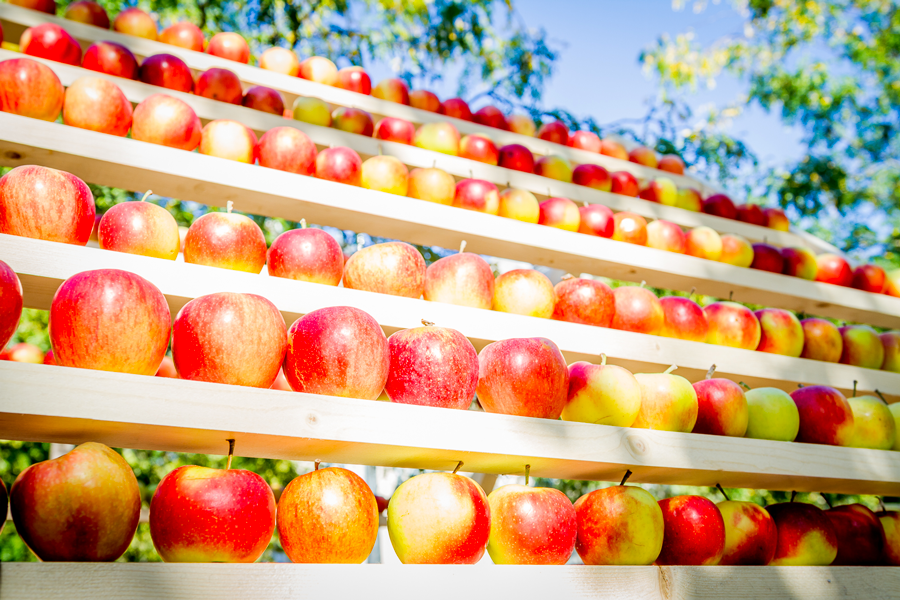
pixel 689 199
pixel 704 242
pixel 555 132
pixel 751 536
pixel 668 402
pixel 130 311
pixel 584 301
pixel 736 250
pixel 869 278
pixel 806 536
pixel 306 254
pixel 694 532
pixel 47 6
pixel 661 190
pixel 477 195
pixel 592 176
pixel 825 416
pixel 167 71
pixel 638 310
pixel 479 148
pixel 732 324
pixel 490 116
pixel 230 140
pixel 339 164
pixel 644 156
pixel 385 174
pixel 630 227
pixel 751 213
pixel 226 240
pixel 767 258
pixel 392 90
pixel 393 268
pixel 722 408
pixel 354 79
pixel 873 424
pixel 50 41
pixel 822 340
pixel 862 347
pixel 10 304
pixel 596 219
pixel 720 205
pixel 311 110
pixel 353 120
pixel 439 137
pixel 624 183
pixel 333 506
pixel 860 535
pixel 432 366
pixel 337 351
pixel 395 130
pixel 183 34
pixel 134 21
pixel 891 288
pixel 554 167
pixel 527 377
pixel 671 163
pixel 110 58
pixel 560 213
pixel 613 148
pixel 524 292
pixel 521 124
pixel 834 269
pixel 521 205
pixel 773 415
pixel 603 394
pixel 46 204
pixel 665 235
pixel 619 525
pixel 464 279
pixel 88 12
pixel 432 185
pixel 890 522
pixel 683 319
pixel 584 140
pixel 97 105
pixel 456 108
pixel 229 45
pixel 22 352
pixel 895 411
pixel 776 219
pixel 439 518
pixel 140 228
pixel 890 340
pixel 166 121
pixel 799 262
pixel 781 332
pixel 167 369
pixel 287 149
pixel 83 506
pixel 531 526
pixel 4 496
pixel 280 60
pixel 221 85
pixel 424 100
pixel 516 157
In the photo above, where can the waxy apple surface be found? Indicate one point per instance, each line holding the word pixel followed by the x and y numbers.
pixel 619 525
pixel 339 164
pixel 110 58
pixel 456 108
pixel 806 536
pixel 393 90
pixel 584 301
pixel 531 526
pixel 431 185
pixel 230 140
pixel 668 403
pixel 732 324
pixel 490 116
pixel 394 268
pixel 683 319
pixel 87 12
pixel 833 269
pixel 517 158
pixel 306 254
pixel 464 279
pixel 695 532
pixel 10 303
pixel 439 137
pixel 264 99
pixel 524 292
pixel 750 534
pixel 603 394
pixel 166 121
pixel 385 174
pixel 50 41
pixel 227 241
pixel 311 110
pixel 596 219
pixel 140 228
pixel 168 71
pixel 424 100
pixel 395 130
pixel 825 416
pixel 722 408
pixel 704 242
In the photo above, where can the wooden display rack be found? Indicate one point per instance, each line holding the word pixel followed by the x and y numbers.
pixel 58 404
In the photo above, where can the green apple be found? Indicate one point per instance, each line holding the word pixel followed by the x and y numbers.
pixel 773 415
pixel 873 424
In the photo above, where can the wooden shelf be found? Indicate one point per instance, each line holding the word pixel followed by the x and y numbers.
pixel 461 168
pixel 43 266
pixel 66 405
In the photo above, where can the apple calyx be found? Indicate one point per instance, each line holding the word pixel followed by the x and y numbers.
pixel 709 373
pixel 527 473
pixel 318 462
pixel 230 453
pixel 719 487
pixel 458 467
pixel 147 195
pixel 627 475
pixel 670 369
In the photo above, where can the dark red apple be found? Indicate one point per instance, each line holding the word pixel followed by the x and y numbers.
pixel 306 254
pixel 723 409
pixel 834 269
pixel 167 71
pixel 354 79
pixel 490 116
pixel 110 58
pixel 624 183
pixel 50 41
pixel 720 205
pixel 694 532
pixel 592 176
pixel 516 157
pixel 46 6
pixel 265 99
pixel 751 213
pixel 806 536
pixel 219 84
pixel 860 535
pixel 825 416
pixel 767 258
pixel 456 108
pixel 395 130
pixel 869 278
pixel 584 301
pixel 555 132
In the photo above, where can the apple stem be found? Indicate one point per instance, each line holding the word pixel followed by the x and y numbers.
pixel 602 359
pixel 880 395
pixel 709 373
pixel 434 164
pixel 744 385
pixel 462 246
pixel 229 206
pixel 643 283
pixel 881 503
pixel 147 195
pixel 627 475
pixel 427 323
pixel 458 467
pixel 230 453
pixel 527 473
pixel 693 289
pixel 719 487
pixel 731 296
pixel 585 203
pixel 793 495
pixel 826 500
pixel 302 223
pixel 567 277
pixel 854 388
pixel 799 386
pixel 318 462
pixel 471 174
pixel 670 369
pixel 380 150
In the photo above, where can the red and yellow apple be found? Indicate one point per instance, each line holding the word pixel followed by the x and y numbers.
pixel 30 89
pixel 560 213
pixel 834 269
pixel 306 254
pixel 694 534
pixel 584 140
pixel 229 45
pixel 220 84
pixel 597 220
pixel 424 100
pixel 490 116
pixel 630 227
pixel 88 12
pixel 613 148
pixel 704 242
pixel 683 319
pixel 311 110
pixel 521 124
pixel 638 310
pixel 392 90
pixel 354 79
pixel 776 219
pixel 393 268
pixel 395 130
pixel 524 292
pixel 439 137
pixel 134 21
pixel 287 149
pixel 339 164
pixel 584 301
pixel 280 60
pixel 97 105
pixel 780 332
pixel 110 58
pixel 555 131
pixel 822 340
pixel 667 236
pixel 183 34
pixel 873 424
pixel 464 279
pixel 732 324
pixel 736 250
pixel 671 163
pixel 890 340
pixel 477 195
pixel 140 228
pixel 456 108
pixel 554 167
pixel 226 240
pixel 668 402
pixel 50 41
pixel 592 176
pixel 625 184
pixel 353 120
pixel 166 121
pixel 619 525
pixel 799 262
pixel 521 205
pixel 862 347
pixel 644 156
pixel 751 536
pixel 603 394
pixel 432 185
pixel 869 278
pixel 531 526
pixel 825 416
pixel 806 536
pixel 479 148
pixel 385 174
pixel 723 409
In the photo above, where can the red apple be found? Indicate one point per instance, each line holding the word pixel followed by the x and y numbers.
pixel 751 213
pixel 806 536
pixel 306 255
pixel 531 526
pixel 83 506
pixel 392 90
pixel 337 351
pixel 684 319
pixel 592 176
pixel 722 407
pixel 720 205
pixel 130 311
pixel 167 71
pixel 524 292
pixel 385 174
pixel 860 535
pixel 624 183
pixel 226 240
pixel 890 520
pixel 555 132
pixel 46 204
pixel 456 108
pixel 464 279
pixel 22 352
pixel 287 149
pixel 694 532
pixel 479 148
pixel 890 340
pixel 353 120
pixel 520 205
pixel 822 340
pixel 4 496
pixel 751 537
pixel 167 369
pixel 799 262
pixel 661 190
pixel 554 167
pixel 221 85
pixel 516 157
pixel 140 228
pixel 439 137
pixel 619 525
pixel 50 41
pixel 825 416
pixel 110 58
pixel 97 105
pixel 527 377
pixel 560 213
pixel 477 195
pixel 602 394
pixel 781 332
pixel 47 6
pixel 834 269
pixel 11 303
pixel 584 140
pixel 134 21
pixel 339 164
pixel 767 258
pixel 432 185
pixel 671 163
pixel 862 347
pixel 596 219
pixel 521 124
pixel 354 79
pixel 424 100
pixel 732 324
pixel 630 227
pixel 166 121
pixel 736 250
pixel 638 310
pixel 88 12
pixel 490 116
pixel 869 278
pixel 264 99
pixel 614 149
pixel 229 45
pixel 280 60
pixel 228 139
pixel 584 301
pixel 665 235
pixel 393 268
pixel 395 130
pixel 644 156
pixel 776 219
pixel 184 35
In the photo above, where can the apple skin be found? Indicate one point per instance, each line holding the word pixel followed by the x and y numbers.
pixel 521 124
pixel 531 526
pixel 439 518
pixel 424 100
pixel 321 70
pixel 464 279
pixel 456 108
pixel 584 140
pixel 773 415
pixel 227 241
pixel 694 534
pixel 873 424
pixel 806 536
pixel 596 219
pixel 391 129
pixel 339 164
pixel 723 409
pixel 704 242
pixel 592 176
pixel 736 250
pixel 167 71
pixel 666 236
pixel 683 319
pixel 554 167
pixel 890 341
pixel 46 6
pixel 392 90
pixel 584 301
pixel 750 534
pixel 438 137
pixel 220 84
pixel 862 347
pixel 799 262
pixel 516 157
pixel 776 219
pixel 183 34
pixel 822 340
pixel 638 310
pixel 134 21
pixel 602 394
pixel 110 58
pixel 230 140
pixel 732 324
pixel 890 522
pixel 625 184
pixel 46 204
pixel 432 185
pixel 280 60
pixel 780 332
pixel 50 41
pixel 140 228
pixel 720 205
pixel 477 195
pixel 869 278
pixel 521 205
pixel 630 227
pixel 10 304
pixel 432 366
pixel 767 258
pixel 524 292
pixel 385 174
pixel 82 506
pixel 833 269
pixel 555 132
pixel 619 525
pixel 668 403
pixel 353 120
pixel 891 288
pixel 671 163
pixel 490 116
pixel 393 268
pixel 751 213
pixel 311 110
pixel 97 105
pixel 479 148
pixel 527 377
pixel 354 79
pixel 613 148
pixel 560 213
pixel 166 121
pixel 88 12
pixel 287 149
pixel 661 190
pixel 895 411
pixel 825 416
pixel 689 199
pixel 306 255
pixel 644 156
pixel 229 45
pixel 337 351
pixel 167 369
pixel 23 352
pixel 860 535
